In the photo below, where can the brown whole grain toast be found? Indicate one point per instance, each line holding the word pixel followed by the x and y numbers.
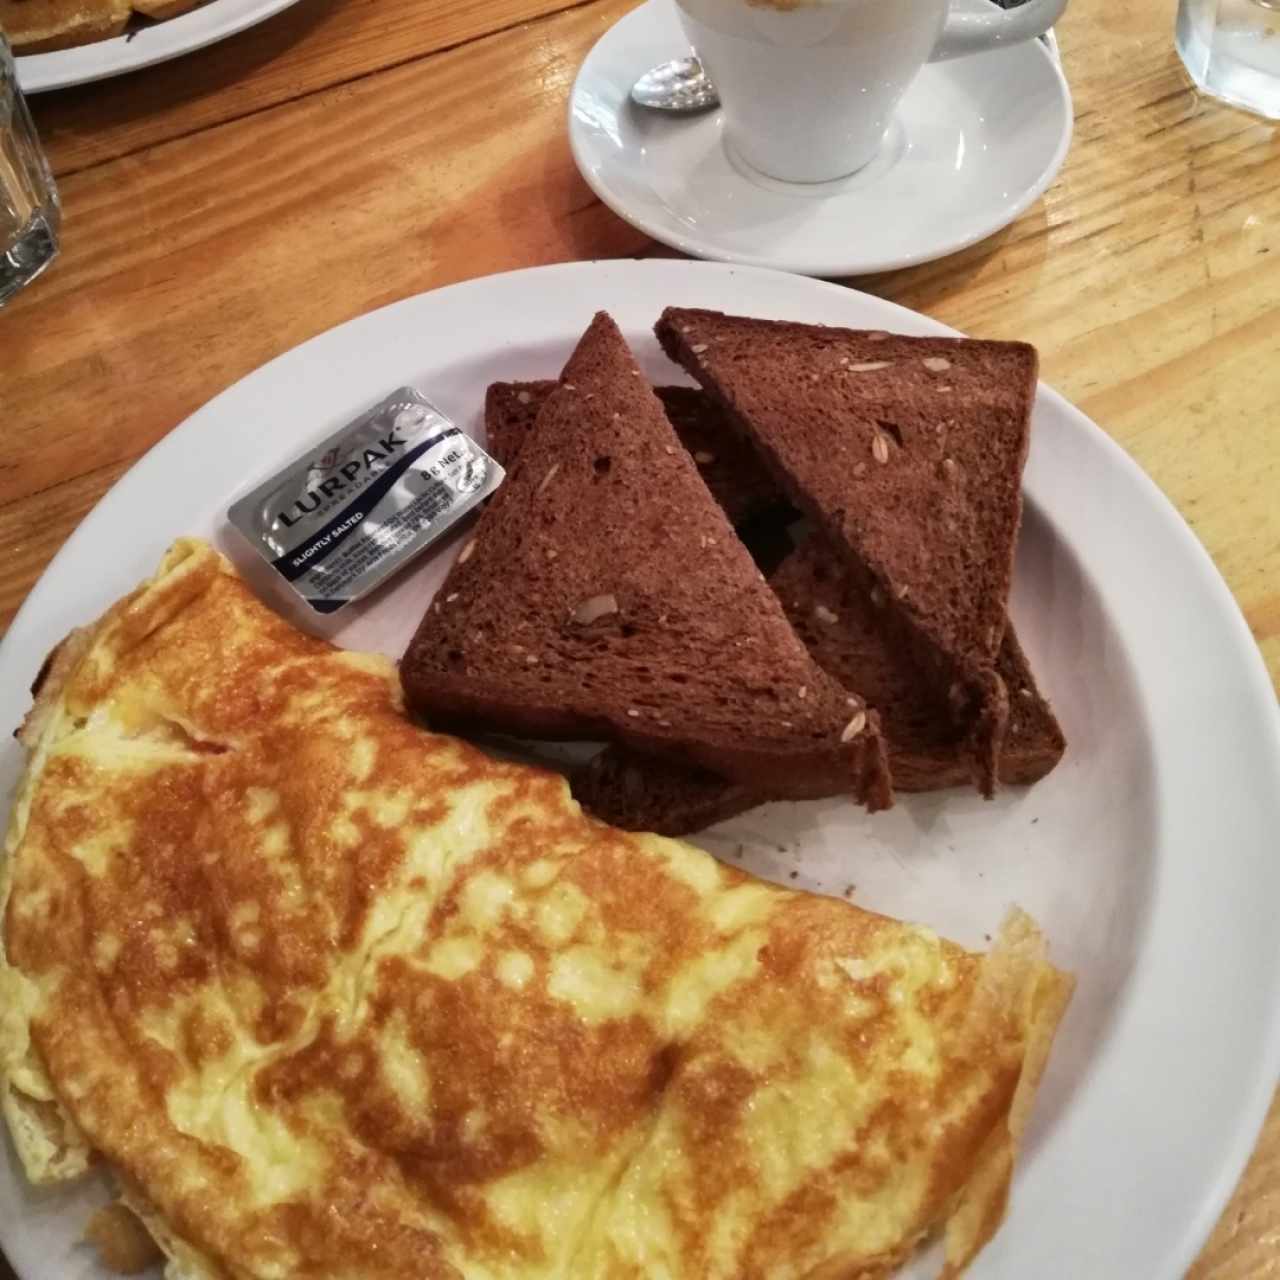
pixel 728 465
pixel 670 798
pixel 510 410
pixel 604 593
pixel 907 453
pixel 643 793
pixel 838 622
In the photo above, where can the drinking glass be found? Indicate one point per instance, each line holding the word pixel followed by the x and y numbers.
pixel 29 211
pixel 1231 49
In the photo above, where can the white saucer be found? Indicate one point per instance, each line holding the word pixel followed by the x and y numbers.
pixel 974 143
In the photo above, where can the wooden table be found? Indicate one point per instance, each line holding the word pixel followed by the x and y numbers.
pixel 223 208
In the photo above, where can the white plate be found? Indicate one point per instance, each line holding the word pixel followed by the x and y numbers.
pixel 1148 855
pixel 974 143
pixel 151 43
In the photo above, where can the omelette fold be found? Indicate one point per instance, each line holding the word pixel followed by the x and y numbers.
pixel 334 996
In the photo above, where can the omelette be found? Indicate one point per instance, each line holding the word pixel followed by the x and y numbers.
pixel 335 996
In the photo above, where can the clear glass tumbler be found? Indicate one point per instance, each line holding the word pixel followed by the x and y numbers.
pixel 29 211
pixel 1231 48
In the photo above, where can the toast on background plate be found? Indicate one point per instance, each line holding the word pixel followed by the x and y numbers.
pixel 42 26
pixel 836 620
pixel 605 594
pixel 907 453
pixel 159 10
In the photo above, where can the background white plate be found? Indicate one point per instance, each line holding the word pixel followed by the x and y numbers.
pixel 974 142
pixel 1149 856
pixel 152 43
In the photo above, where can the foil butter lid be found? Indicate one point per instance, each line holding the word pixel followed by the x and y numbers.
pixel 357 506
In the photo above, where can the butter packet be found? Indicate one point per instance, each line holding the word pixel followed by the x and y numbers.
pixel 356 507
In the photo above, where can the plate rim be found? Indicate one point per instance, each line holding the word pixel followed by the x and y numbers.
pixel 119 55
pixel 824 267
pixel 1254 1097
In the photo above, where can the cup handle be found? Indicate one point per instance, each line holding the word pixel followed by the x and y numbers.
pixel 971 32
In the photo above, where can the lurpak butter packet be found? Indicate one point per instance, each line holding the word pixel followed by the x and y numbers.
pixel 359 505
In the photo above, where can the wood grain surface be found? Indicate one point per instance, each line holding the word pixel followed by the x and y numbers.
pixel 223 208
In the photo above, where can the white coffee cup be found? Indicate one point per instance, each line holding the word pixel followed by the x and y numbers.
pixel 808 87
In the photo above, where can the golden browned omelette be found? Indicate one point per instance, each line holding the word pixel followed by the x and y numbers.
pixel 338 997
